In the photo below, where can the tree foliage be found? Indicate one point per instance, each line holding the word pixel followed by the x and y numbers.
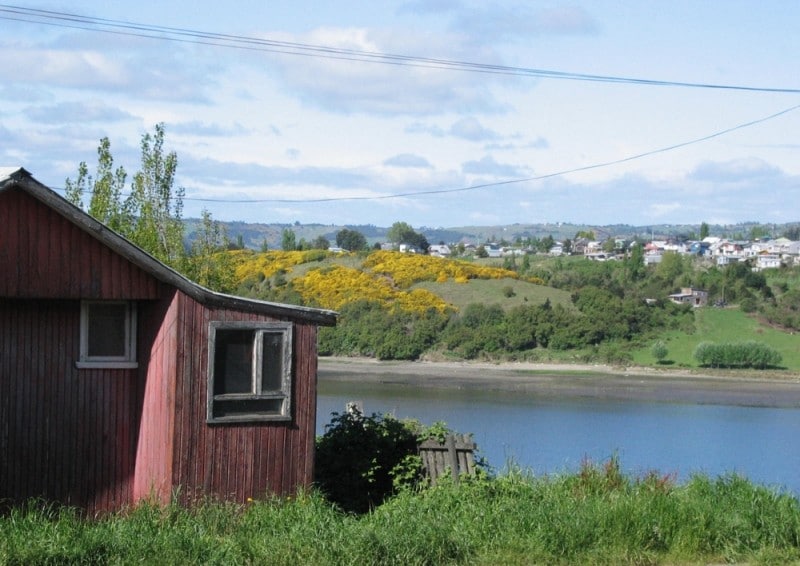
pixel 209 263
pixel 150 215
pixel 659 350
pixel 155 203
pixel 749 354
pixel 358 458
pixel 403 233
pixel 289 240
pixel 351 240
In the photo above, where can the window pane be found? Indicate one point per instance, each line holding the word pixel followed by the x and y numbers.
pixel 107 330
pixel 271 362
pixel 233 361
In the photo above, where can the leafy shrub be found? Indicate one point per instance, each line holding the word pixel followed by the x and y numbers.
pixel 659 350
pixel 749 354
pixel 359 456
pixel 367 328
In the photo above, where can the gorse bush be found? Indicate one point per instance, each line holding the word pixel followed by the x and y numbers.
pixel 749 354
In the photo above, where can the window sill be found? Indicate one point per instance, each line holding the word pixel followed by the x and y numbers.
pixel 107 365
pixel 249 419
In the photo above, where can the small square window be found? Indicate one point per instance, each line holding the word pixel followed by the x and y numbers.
pixel 250 371
pixel 108 334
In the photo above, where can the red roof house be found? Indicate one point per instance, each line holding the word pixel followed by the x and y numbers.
pixel 121 380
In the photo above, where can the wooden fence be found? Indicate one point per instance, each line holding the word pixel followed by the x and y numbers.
pixel 455 454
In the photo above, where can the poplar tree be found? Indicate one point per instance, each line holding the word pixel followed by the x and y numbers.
pixel 150 215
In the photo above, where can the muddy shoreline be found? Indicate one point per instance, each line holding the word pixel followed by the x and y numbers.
pixel 770 389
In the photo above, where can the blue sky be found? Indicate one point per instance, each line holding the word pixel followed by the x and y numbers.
pixel 335 141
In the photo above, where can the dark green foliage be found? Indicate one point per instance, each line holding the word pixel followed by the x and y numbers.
pixel 403 233
pixel 351 240
pixel 478 329
pixel 785 310
pixel 320 243
pixel 750 354
pixel 368 328
pixel 358 457
pixel 288 240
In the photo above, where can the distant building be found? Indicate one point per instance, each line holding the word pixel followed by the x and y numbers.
pixel 690 296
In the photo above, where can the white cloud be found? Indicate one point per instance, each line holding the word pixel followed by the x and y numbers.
pixel 470 128
pixel 488 166
pixel 71 112
pixel 407 160
pixel 490 23
pixel 370 88
pixel 734 171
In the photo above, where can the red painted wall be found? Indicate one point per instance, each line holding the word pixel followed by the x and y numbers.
pixel 65 434
pixel 237 461
pixel 103 439
pixel 43 255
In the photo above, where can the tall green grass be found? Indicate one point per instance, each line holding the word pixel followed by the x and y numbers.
pixel 595 516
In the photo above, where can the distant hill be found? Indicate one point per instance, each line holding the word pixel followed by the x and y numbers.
pixel 255 234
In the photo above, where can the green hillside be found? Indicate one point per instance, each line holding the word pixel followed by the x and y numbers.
pixel 507 293
pixel 724 325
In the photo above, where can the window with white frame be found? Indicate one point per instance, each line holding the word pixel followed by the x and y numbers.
pixel 249 371
pixel 108 334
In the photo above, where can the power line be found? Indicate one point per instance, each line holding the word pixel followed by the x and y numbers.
pixel 184 35
pixel 510 181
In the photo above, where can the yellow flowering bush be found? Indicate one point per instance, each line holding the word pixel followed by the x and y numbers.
pixel 252 264
pixel 407 269
pixel 336 286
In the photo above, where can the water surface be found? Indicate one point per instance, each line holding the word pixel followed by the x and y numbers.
pixel 552 435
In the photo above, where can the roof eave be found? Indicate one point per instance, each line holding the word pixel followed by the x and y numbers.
pixel 23 179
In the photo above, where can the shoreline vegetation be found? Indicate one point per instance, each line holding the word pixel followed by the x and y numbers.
pixel 771 388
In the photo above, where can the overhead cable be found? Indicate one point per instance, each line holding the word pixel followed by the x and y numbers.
pixel 510 181
pixel 184 35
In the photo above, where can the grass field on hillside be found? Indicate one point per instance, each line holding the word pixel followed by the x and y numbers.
pixel 723 325
pixel 495 291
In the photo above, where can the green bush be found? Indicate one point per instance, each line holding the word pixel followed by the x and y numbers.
pixel 659 350
pixel 358 458
pixel 749 354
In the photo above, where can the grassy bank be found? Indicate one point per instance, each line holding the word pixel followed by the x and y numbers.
pixel 596 516
pixel 719 326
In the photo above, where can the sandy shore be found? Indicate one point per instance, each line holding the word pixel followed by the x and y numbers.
pixel 772 389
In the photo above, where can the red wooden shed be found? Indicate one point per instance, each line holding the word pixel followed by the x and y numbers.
pixel 122 380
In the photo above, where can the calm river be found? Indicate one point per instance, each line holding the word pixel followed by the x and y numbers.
pixel 549 434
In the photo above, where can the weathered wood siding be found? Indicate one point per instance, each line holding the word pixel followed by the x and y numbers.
pixel 156 392
pixel 237 461
pixel 44 255
pixel 103 438
pixel 65 434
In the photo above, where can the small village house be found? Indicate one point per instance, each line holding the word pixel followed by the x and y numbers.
pixel 690 296
pixel 121 380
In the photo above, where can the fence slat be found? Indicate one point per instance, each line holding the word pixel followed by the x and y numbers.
pixel 455 454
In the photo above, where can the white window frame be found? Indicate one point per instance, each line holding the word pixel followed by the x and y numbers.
pixel 128 359
pixel 284 394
